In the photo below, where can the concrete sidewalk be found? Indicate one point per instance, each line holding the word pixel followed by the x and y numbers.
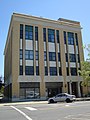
pixel 83 99
pixel 23 103
pixel 38 102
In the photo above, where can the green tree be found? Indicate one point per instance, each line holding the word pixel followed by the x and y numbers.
pixel 85 67
pixel 1 86
pixel 2 90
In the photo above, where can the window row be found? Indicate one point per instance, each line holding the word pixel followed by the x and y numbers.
pixel 29 32
pixel 29 55
pixel 29 70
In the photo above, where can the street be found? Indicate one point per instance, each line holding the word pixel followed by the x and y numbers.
pixel 43 111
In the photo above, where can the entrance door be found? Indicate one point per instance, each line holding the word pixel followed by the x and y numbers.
pixel 52 92
pixel 74 89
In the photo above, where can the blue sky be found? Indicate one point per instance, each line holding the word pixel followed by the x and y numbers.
pixel 70 9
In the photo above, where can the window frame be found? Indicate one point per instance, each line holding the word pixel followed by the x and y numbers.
pixel 51 35
pixel 28 32
pixel 52 56
pixel 29 70
pixel 21 31
pixel 21 54
pixel 73 71
pixel 53 71
pixel 70 38
pixel 29 55
pixel 72 57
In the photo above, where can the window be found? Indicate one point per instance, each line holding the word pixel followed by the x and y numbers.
pixel 64 37
pixel 28 32
pixel 44 34
pixel 46 70
pixel 36 33
pixel 67 70
pixel 66 55
pixel 37 56
pixel 70 38
pixel 57 35
pixel 78 58
pixel 51 35
pixel 60 71
pixel 58 56
pixel 21 31
pixel 45 56
pixel 52 56
pixel 21 54
pixel 29 70
pixel 73 71
pixel 37 70
pixel 29 55
pixel 21 70
pixel 53 71
pixel 72 57
pixel 76 37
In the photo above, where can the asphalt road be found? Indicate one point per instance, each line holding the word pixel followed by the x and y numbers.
pixel 57 111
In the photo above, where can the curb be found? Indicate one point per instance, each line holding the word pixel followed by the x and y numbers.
pixel 38 102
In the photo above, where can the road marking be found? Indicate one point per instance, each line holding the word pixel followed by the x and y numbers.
pixel 67 105
pixel 31 108
pixel 26 116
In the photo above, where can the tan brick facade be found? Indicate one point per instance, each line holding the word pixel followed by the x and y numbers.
pixel 19 86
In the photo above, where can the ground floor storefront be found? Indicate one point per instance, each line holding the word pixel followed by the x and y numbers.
pixel 34 90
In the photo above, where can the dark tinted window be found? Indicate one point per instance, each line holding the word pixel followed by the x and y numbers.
pixel 45 56
pixel 46 70
pixel 78 58
pixel 29 70
pixel 51 35
pixel 36 33
pixel 57 35
pixel 67 71
pixel 21 54
pixel 44 34
pixel 37 55
pixel 29 55
pixel 60 71
pixel 21 70
pixel 72 57
pixel 64 37
pixel 58 56
pixel 52 56
pixel 37 70
pixel 53 71
pixel 66 55
pixel 70 38
pixel 76 37
pixel 21 31
pixel 73 71
pixel 28 32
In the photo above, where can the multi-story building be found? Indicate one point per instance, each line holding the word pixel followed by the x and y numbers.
pixel 42 57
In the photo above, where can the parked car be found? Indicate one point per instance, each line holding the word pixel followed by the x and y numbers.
pixel 62 97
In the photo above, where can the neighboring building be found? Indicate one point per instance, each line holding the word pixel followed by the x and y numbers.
pixel 42 57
